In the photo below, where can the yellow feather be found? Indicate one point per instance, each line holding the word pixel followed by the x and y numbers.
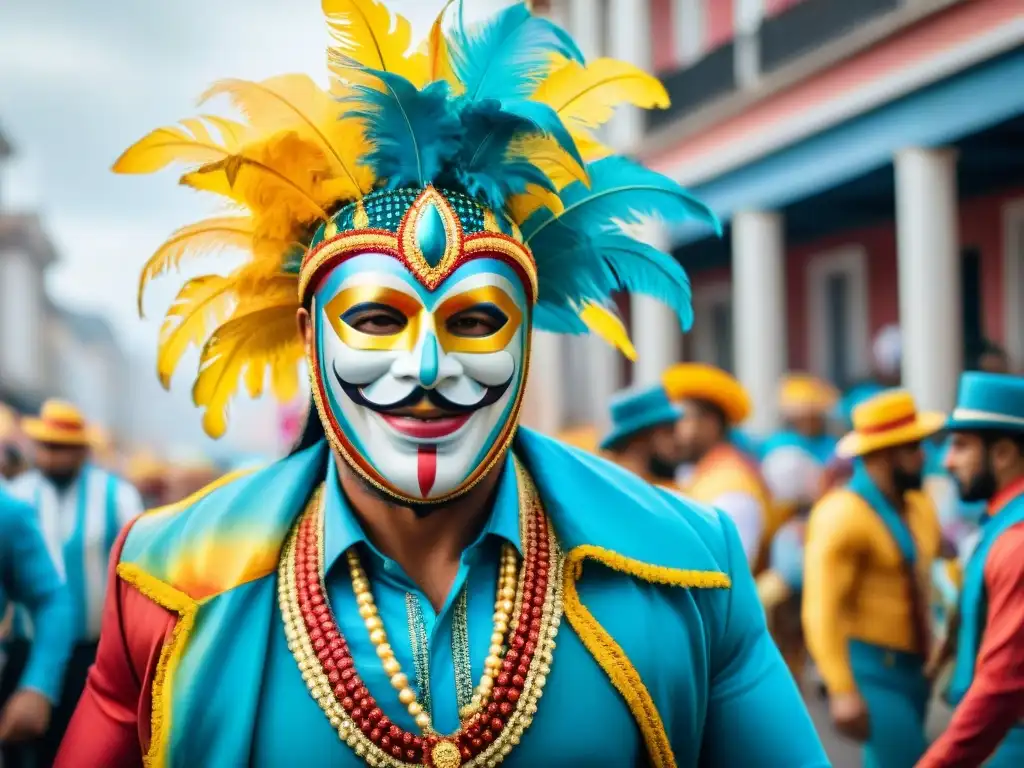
pixel 257 337
pixel 609 327
pixel 201 304
pixel 557 164
pixel 590 149
pixel 440 63
pixel 524 205
pixel 295 103
pixel 586 96
pixel 363 31
pixel 189 143
pixel 194 240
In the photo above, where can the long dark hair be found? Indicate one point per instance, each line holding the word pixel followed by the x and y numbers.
pixel 312 430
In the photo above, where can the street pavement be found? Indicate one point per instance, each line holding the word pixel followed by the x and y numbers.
pixel 844 753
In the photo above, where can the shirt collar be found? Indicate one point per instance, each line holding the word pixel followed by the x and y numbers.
pixel 1005 496
pixel 342 530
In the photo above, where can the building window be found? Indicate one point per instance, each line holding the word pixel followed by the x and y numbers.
pixel 713 326
pixel 1013 279
pixel 837 291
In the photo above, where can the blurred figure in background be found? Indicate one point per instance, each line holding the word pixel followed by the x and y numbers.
pixel 28 577
pixel 868 557
pixel 642 437
pixel 793 467
pixel 188 477
pixel 990 358
pixel 712 403
pixel 887 354
pixel 986 456
pixel 150 477
pixel 80 509
pixel 12 461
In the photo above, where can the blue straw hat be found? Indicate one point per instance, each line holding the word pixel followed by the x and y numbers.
pixel 988 401
pixel 634 410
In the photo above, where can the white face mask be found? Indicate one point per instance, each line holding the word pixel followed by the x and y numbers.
pixel 420 388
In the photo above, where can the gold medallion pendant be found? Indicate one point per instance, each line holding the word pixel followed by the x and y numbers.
pixel 528 610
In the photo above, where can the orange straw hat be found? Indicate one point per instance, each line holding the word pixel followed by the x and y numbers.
pixel 697 381
pixel 59 423
pixel 888 419
pixel 804 395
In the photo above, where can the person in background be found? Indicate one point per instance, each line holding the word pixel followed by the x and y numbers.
pixel 868 555
pixel 149 475
pixel 28 577
pixel 991 358
pixel 722 476
pixel 642 437
pixel 80 509
pixel 793 467
pixel 12 462
pixel 887 354
pixel 985 454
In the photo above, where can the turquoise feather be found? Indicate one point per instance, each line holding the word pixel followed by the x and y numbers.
pixel 507 57
pixel 619 189
pixel 414 133
pixel 547 121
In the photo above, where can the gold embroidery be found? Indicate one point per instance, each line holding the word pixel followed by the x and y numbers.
pixel 360 219
pixel 171 599
pixel 504 245
pixel 330 250
pixel 409 247
pixel 609 655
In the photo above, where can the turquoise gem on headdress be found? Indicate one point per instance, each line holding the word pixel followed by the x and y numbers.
pixel 430 235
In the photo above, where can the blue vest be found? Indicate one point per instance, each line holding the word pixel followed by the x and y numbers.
pixel 973 601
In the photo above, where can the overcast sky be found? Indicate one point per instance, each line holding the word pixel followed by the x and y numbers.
pixel 81 81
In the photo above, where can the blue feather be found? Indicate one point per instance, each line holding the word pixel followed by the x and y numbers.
pixel 507 57
pixel 641 268
pixel 558 318
pixel 546 120
pixel 619 188
pixel 415 133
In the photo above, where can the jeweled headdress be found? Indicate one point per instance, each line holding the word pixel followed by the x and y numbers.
pixel 481 138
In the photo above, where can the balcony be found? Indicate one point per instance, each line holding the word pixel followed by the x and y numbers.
pixel 790 37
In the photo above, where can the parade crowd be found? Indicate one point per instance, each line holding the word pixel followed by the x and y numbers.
pixel 887 544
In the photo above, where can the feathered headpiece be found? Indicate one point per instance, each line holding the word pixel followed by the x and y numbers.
pixel 500 117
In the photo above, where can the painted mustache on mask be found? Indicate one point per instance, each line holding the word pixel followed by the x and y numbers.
pixel 422 394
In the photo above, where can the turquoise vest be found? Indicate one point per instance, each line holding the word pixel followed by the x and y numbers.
pixel 973 600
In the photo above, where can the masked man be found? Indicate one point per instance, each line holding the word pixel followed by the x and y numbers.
pixel 986 456
pixel 868 557
pixel 27 576
pixel 642 437
pixel 391 595
pixel 722 476
pixel 80 509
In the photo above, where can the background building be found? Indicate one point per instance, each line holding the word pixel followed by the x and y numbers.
pixel 867 160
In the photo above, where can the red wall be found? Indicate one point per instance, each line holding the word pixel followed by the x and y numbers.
pixel 719 17
pixel 773 7
pixel 981 227
pixel 663 37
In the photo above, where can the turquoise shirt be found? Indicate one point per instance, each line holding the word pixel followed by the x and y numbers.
pixel 576 685
pixel 27 576
pixel 821 448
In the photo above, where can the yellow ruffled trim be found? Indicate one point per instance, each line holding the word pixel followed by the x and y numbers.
pixel 172 599
pixel 609 655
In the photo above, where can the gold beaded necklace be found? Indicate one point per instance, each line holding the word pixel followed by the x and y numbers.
pixel 506 698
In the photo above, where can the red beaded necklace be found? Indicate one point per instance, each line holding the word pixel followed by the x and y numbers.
pixel 326 661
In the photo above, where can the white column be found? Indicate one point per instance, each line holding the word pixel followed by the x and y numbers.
pixel 629 35
pixel 543 404
pixel 759 311
pixel 929 275
pixel 655 329
pixel 604 379
pixel 585 25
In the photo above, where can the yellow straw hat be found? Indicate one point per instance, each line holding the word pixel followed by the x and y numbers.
pixel 697 381
pixel 886 420
pixel 802 394
pixel 59 423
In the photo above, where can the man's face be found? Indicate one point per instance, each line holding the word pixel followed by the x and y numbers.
pixel 421 386
pixel 664 446
pixel 907 467
pixel 810 424
pixel 60 463
pixel 967 460
pixel 993 362
pixel 696 432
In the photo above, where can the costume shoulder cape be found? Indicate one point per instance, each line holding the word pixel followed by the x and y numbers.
pixel 231 532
